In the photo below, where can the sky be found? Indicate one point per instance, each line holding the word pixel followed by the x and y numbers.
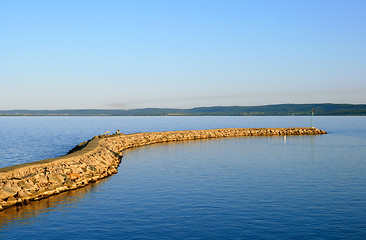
pixel 180 54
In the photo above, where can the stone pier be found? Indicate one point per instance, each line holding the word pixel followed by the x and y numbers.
pixel 99 157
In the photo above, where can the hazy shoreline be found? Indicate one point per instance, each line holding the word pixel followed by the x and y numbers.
pixel 326 109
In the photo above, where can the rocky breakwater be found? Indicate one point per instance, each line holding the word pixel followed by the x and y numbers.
pixel 99 158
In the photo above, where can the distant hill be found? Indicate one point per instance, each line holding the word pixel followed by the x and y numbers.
pixel 327 109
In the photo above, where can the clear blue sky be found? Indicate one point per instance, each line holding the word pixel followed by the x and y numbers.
pixel 181 53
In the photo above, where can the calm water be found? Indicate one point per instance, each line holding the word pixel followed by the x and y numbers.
pixel 309 187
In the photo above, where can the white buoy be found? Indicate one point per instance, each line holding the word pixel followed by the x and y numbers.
pixel 284 139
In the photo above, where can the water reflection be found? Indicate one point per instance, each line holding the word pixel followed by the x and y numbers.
pixel 26 214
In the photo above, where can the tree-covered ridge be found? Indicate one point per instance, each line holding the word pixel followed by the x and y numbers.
pixel 327 109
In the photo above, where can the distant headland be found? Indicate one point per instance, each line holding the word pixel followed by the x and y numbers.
pixel 324 109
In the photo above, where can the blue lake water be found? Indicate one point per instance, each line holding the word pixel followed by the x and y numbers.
pixel 307 187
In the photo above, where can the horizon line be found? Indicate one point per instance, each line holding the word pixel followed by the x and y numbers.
pixel 141 108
